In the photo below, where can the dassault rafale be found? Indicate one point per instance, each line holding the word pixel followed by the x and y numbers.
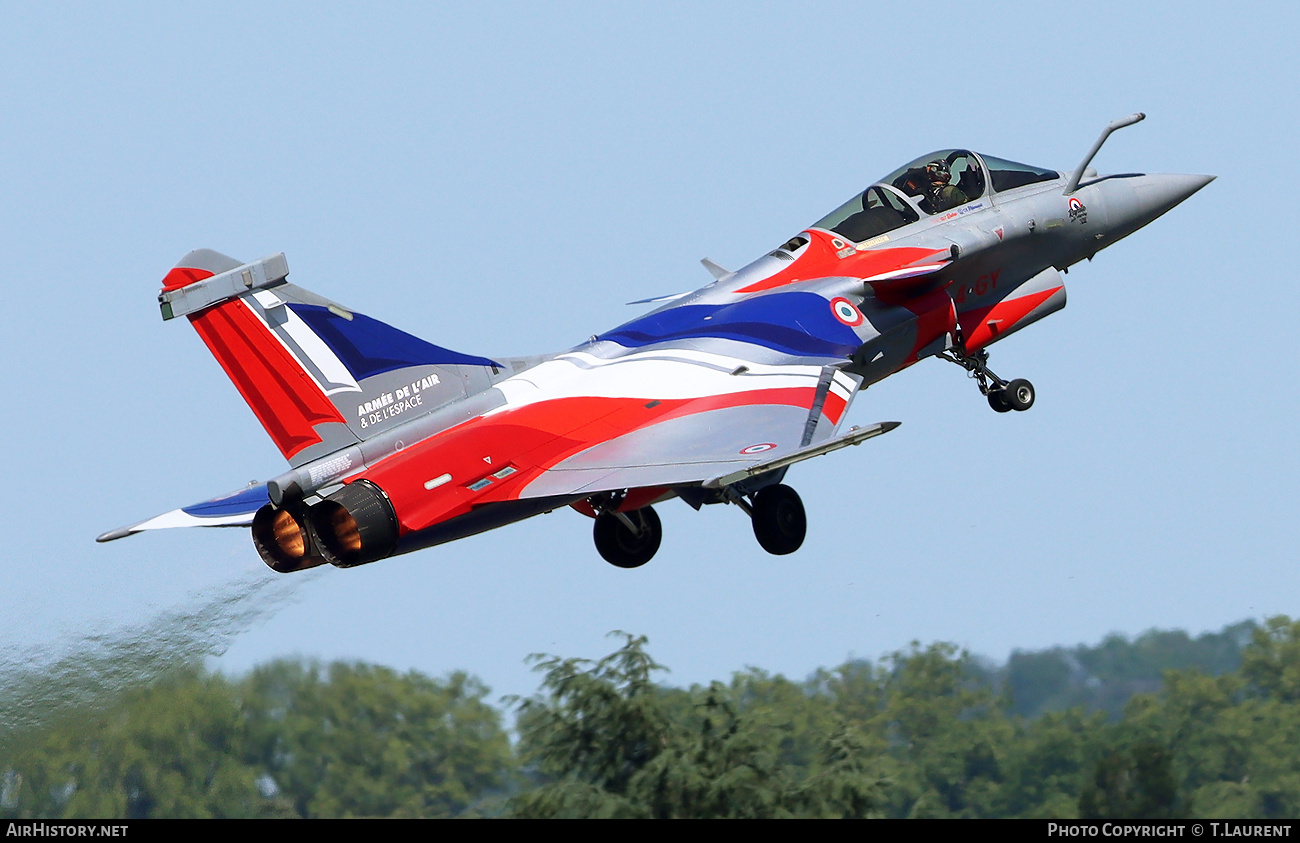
pixel 395 444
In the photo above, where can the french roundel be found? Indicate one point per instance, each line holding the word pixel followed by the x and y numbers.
pixel 1075 204
pixel 846 312
pixel 758 449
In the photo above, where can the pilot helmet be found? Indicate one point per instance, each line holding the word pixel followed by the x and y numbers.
pixel 937 171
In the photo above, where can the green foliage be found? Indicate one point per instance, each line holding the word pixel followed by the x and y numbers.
pixel 290 740
pixel 1232 740
pixel 595 724
pixel 607 742
pixel 948 731
pixel 1046 762
pixel 1106 676
pixel 1133 783
pixel 169 749
pixel 353 740
pixel 721 765
pixel 927 732
pixel 1272 662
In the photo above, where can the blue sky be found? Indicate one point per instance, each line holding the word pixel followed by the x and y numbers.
pixel 499 181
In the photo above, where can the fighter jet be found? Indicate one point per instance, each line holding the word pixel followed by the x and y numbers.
pixel 395 444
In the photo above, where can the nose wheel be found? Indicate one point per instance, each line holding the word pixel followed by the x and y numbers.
pixel 628 539
pixel 1017 395
pixel 1003 396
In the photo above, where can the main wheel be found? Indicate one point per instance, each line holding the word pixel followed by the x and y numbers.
pixel 998 401
pixel 622 547
pixel 1019 395
pixel 779 520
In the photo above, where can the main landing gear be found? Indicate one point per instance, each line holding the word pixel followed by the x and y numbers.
pixel 778 518
pixel 1003 396
pixel 628 539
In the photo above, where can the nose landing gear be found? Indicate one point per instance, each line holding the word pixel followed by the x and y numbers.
pixel 1017 395
pixel 1003 396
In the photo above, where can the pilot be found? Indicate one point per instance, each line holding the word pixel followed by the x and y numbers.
pixel 941 193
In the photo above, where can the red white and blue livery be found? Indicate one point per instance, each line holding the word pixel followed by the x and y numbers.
pixel 395 444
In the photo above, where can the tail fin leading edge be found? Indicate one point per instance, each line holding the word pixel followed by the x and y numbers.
pixel 319 377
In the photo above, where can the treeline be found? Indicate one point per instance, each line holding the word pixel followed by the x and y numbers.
pixel 1104 677
pixel 926 732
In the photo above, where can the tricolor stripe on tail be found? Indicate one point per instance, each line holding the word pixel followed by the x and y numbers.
pixel 318 376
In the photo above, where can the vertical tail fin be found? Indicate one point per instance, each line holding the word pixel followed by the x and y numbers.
pixel 318 376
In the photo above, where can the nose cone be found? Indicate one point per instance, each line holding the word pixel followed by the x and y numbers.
pixel 1157 194
pixel 1138 200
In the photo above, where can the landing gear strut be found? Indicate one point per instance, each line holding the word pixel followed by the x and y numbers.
pixel 778 518
pixel 1003 395
pixel 628 539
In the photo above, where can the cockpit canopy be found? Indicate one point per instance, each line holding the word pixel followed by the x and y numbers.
pixel 932 183
pixel 875 211
pixel 940 180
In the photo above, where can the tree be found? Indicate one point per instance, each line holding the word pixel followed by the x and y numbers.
pixel 947 730
pixel 353 740
pixel 1272 661
pixel 593 727
pixel 172 748
pixel 604 742
pixel 1227 743
pixel 1134 783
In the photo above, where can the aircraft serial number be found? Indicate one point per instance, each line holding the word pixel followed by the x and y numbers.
pixel 981 286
